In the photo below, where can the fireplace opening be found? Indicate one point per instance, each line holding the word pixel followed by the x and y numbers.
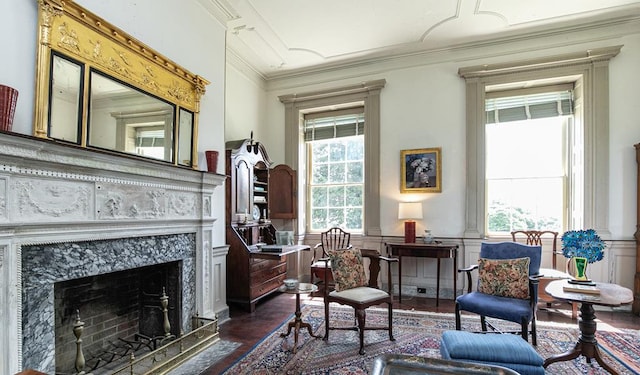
pixel 123 313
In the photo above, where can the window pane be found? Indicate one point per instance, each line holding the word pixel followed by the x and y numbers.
pixel 320 152
pixel 320 174
pixel 336 196
pixel 355 172
pixel 354 219
pixel 355 150
pixel 337 151
pixel 318 219
pixel 525 204
pixel 336 217
pixel 336 173
pixel 526 148
pixel 319 196
pixel 354 196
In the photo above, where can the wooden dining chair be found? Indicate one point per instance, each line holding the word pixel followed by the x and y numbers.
pixel 537 237
pixel 333 239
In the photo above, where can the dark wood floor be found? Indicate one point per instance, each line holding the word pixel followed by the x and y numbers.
pixel 249 328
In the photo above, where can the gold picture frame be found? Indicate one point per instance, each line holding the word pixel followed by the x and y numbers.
pixel 421 170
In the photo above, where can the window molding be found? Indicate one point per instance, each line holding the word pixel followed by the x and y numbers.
pixel 365 93
pixel 591 69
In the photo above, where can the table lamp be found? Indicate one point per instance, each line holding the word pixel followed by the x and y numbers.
pixel 409 211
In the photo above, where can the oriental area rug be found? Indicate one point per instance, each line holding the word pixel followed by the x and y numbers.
pixel 417 333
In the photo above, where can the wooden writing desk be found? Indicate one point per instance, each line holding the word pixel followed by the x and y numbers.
pixel 424 250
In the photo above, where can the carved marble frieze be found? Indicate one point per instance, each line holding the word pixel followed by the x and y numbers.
pixel 145 202
pixel 50 200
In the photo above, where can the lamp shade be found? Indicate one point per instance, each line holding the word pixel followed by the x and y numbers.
pixel 410 210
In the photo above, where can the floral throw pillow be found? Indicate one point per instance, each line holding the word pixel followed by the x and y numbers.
pixel 347 269
pixel 504 277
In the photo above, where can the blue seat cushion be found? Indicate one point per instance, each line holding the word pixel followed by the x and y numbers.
pixel 505 308
pixel 496 349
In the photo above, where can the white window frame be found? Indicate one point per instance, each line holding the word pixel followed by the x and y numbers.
pixel 366 94
pixel 590 72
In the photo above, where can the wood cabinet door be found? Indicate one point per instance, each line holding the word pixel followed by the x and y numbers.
pixel 243 187
pixel 283 193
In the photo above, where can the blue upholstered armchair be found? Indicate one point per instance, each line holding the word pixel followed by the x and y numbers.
pixel 507 286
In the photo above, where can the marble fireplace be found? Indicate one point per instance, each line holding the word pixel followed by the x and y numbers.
pixel 69 214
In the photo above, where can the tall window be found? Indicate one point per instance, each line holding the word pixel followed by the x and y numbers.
pixel 335 147
pixel 588 161
pixel 526 160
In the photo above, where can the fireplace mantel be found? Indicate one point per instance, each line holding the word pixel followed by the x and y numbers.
pixel 57 193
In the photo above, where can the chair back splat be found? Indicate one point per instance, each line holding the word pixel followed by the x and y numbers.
pixel 333 239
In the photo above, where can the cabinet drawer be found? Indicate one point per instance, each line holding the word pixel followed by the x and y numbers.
pixel 258 290
pixel 256 265
pixel 263 275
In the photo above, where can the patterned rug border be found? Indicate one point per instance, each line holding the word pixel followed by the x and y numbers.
pixel 573 327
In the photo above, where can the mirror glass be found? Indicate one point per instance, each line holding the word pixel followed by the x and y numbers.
pixel 124 119
pixel 185 136
pixel 65 105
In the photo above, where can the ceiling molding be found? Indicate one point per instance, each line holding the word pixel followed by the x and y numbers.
pixel 545 39
pixel 220 10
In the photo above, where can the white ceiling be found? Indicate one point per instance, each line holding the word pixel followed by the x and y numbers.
pixel 279 37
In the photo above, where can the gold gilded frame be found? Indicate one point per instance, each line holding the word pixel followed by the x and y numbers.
pixel 67 28
pixel 421 170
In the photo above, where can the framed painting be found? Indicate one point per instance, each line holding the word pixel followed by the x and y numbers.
pixel 421 170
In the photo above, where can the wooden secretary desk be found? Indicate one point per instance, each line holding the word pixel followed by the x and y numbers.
pixel 255 194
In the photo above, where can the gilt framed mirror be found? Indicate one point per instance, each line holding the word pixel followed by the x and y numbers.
pixel 100 88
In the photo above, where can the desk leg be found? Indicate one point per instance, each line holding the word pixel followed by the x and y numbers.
pixel 438 285
pixel 400 278
pixel 455 274
pixel 587 344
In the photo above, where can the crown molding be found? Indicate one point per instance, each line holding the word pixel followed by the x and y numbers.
pixel 220 10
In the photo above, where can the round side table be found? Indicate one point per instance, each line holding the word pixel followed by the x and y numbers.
pixel 297 322
pixel 611 295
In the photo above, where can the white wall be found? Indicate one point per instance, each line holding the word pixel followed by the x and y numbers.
pixel 423 106
pixel 183 31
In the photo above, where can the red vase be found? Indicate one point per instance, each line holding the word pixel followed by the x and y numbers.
pixel 8 100
pixel 212 160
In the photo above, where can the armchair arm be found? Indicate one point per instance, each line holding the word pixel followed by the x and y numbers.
pixel 314 250
pixel 389 260
pixel 468 272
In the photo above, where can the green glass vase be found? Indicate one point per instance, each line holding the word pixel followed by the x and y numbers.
pixel 579 267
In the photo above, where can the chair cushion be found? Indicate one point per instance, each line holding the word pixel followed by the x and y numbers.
pixel 506 308
pixel 504 277
pixel 347 269
pixel 361 294
pixel 497 349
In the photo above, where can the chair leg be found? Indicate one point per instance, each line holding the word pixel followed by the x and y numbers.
pixel 458 325
pixel 524 329
pixel 483 323
pixel 390 314
pixel 362 316
pixel 574 310
pixel 534 333
pixel 326 321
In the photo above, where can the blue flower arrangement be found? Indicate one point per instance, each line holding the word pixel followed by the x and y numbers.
pixel 583 243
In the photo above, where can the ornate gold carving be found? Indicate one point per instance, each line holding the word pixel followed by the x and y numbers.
pixel 83 35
